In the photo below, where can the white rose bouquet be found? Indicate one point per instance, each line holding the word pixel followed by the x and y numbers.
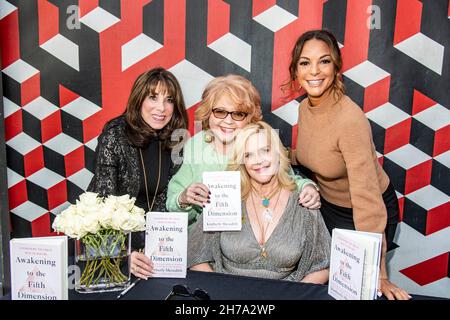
pixel 102 225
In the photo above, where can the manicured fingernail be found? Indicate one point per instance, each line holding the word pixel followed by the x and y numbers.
pixel 208 201
pixel 209 192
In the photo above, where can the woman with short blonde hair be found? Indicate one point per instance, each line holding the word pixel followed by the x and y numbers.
pixel 238 89
pixel 279 239
pixel 237 159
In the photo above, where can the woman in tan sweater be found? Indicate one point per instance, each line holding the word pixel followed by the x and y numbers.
pixel 335 143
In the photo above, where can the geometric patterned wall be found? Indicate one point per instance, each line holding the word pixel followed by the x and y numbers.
pixel 63 80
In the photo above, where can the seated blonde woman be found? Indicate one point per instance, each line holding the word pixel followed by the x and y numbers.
pixel 280 241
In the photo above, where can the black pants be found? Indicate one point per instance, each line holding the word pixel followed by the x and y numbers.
pixel 341 217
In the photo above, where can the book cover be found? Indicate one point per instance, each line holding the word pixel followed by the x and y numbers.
pixel 354 264
pixel 166 243
pixel 224 212
pixel 39 268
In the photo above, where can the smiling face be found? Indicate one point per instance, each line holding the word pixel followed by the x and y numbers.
pixel 260 159
pixel 157 108
pixel 225 130
pixel 315 70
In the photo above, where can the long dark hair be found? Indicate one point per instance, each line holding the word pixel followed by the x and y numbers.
pixel 138 131
pixel 336 57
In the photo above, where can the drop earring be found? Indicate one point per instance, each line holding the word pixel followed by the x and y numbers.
pixel 208 138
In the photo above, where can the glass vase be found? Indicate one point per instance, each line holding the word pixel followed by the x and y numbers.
pixel 103 261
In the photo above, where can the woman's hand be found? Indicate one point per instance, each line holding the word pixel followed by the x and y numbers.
pixel 204 267
pixel 309 197
pixel 140 265
pixel 196 193
pixel 318 277
pixel 391 291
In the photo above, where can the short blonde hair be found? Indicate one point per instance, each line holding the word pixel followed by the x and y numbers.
pixel 240 90
pixel 236 162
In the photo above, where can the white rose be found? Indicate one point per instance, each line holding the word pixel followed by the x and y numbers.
pixel 138 211
pixel 125 221
pixel 90 198
pixel 84 209
pixel 131 224
pixel 139 223
pixel 88 204
pixel 59 223
pixel 70 211
pixel 119 218
pixel 74 227
pixel 63 219
pixel 126 202
pixel 106 214
pixel 91 224
pixel 138 214
pixel 111 201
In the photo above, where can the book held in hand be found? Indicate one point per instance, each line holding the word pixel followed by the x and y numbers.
pixel 166 243
pixel 39 268
pixel 224 212
pixel 354 264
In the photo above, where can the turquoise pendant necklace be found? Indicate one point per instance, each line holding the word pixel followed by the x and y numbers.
pixel 265 201
pixel 267 213
pixel 268 216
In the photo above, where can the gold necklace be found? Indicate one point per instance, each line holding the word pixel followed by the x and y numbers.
pixel 262 244
pixel 145 178
pixel 265 200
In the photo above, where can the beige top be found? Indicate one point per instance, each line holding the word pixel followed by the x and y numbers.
pixel 335 143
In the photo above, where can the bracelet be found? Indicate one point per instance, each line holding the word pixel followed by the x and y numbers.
pixel 314 185
pixel 182 205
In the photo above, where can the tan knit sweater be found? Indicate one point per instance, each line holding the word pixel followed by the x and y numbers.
pixel 335 143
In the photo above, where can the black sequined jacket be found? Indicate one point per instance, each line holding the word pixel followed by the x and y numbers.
pixel 117 169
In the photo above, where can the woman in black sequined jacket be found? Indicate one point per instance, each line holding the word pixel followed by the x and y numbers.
pixel 134 151
pixel 118 170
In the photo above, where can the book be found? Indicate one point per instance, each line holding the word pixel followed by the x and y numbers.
pixel 39 268
pixel 224 212
pixel 354 264
pixel 166 243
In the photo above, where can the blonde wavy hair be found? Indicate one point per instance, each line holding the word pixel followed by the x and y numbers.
pixel 240 90
pixel 236 162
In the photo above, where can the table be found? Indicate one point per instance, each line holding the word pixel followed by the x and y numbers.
pixel 219 287
pixel 222 287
